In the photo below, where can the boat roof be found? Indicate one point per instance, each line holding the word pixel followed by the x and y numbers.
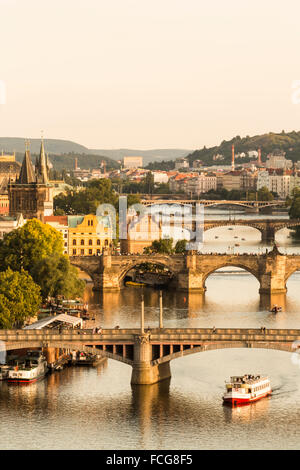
pixel 248 378
pixel 61 318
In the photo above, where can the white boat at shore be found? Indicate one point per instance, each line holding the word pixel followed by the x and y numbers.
pixel 28 369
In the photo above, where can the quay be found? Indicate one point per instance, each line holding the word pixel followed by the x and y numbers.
pixel 149 352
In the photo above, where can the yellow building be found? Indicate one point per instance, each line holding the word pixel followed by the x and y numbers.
pixel 89 234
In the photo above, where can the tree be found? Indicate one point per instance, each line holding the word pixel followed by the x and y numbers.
pixel 163 245
pixel 25 247
pixel 19 298
pixel 264 194
pixel 180 246
pixel 38 249
pixel 294 211
pixel 87 200
pixel 58 277
pixel 149 183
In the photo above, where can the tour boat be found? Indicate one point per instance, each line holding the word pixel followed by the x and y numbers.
pixel 242 390
pixel 28 369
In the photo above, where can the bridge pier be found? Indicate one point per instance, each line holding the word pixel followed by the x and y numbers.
pixel 191 279
pixel 143 372
pixel 273 275
pixel 268 234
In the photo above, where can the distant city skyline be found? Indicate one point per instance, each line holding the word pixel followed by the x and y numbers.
pixel 144 75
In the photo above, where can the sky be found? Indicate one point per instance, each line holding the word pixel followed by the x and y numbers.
pixel 148 74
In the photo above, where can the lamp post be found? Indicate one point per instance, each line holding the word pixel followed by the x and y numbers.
pixel 142 315
pixel 160 310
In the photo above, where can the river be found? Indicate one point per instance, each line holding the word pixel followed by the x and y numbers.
pixel 96 408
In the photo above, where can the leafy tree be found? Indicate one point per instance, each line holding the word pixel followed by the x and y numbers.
pixel 19 298
pixel 294 211
pixel 265 195
pixel 58 277
pixel 38 249
pixel 25 247
pixel 163 245
pixel 180 246
pixel 87 200
pixel 148 183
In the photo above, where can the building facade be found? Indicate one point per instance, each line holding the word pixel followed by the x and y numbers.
pixel 89 235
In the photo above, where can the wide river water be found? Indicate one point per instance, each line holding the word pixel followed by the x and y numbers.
pixel 96 408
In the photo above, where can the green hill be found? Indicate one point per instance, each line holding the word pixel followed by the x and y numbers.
pixel 289 142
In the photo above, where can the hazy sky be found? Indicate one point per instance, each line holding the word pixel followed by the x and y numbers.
pixel 148 73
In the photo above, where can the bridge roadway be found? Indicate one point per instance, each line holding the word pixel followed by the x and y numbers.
pixel 149 353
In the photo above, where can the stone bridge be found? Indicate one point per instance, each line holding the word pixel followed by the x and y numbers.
pixel 191 270
pixel 149 353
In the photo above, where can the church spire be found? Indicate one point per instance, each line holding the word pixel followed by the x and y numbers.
pixel 41 170
pixel 27 173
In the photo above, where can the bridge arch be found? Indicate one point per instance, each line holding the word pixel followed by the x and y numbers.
pixel 125 270
pixel 66 345
pixel 226 223
pixel 286 347
pixel 245 267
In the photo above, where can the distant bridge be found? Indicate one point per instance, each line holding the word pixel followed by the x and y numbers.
pixel 267 227
pixel 149 353
pixel 253 206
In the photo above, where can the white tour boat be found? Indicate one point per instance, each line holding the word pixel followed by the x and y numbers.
pixel 28 369
pixel 246 389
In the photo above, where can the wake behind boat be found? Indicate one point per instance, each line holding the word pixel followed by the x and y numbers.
pixel 242 390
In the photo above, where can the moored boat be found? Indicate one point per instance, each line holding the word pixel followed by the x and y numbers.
pixel 135 284
pixel 242 390
pixel 28 369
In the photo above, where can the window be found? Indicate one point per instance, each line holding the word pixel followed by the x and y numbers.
pixel 81 242
pixel 82 252
pixel 74 251
pixel 74 242
pixel 106 242
pixel 90 252
pixel 98 242
pixel 98 252
pixel 90 242
pixel 65 235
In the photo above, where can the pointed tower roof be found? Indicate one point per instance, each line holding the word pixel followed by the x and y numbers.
pixel 41 166
pixel 27 173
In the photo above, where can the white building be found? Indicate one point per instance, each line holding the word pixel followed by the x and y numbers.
pixel 200 184
pixel 278 160
pixel 132 162
pixel 181 163
pixel 160 177
pixel 7 224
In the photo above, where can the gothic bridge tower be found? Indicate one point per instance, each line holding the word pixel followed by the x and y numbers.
pixel 32 194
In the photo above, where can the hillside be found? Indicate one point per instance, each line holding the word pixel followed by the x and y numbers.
pixel 64 147
pixel 289 142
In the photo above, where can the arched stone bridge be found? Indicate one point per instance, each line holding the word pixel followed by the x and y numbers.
pixel 191 270
pixel 149 353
